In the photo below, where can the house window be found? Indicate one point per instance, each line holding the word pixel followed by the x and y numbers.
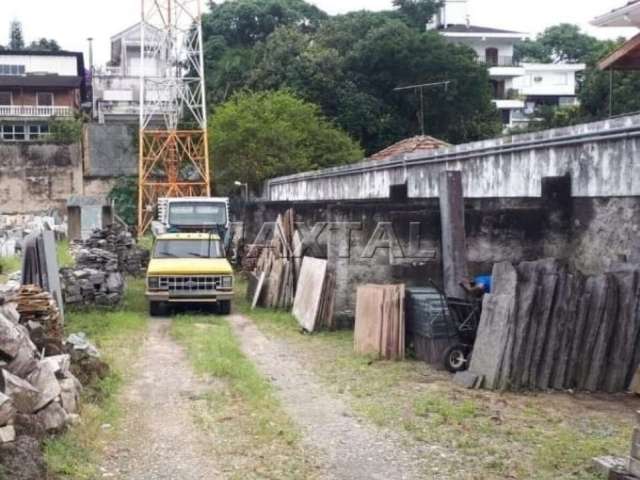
pixel 22 133
pixel 18 133
pixel 7 132
pixel 8 70
pixel 5 98
pixel 36 132
pixel 44 99
pixel 491 56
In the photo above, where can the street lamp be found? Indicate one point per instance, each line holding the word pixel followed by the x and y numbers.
pixel 238 183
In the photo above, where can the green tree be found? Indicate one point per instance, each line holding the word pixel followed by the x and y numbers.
pixel 563 43
pixel 352 65
pixel 45 44
pixel 349 65
pixel 256 136
pixel 232 29
pixel 16 39
pixel 418 12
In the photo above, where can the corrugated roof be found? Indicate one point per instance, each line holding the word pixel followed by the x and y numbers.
pixel 410 145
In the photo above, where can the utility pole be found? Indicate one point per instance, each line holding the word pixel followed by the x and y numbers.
pixel 90 40
pixel 419 90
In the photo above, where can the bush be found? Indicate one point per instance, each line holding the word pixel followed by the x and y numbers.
pixel 65 131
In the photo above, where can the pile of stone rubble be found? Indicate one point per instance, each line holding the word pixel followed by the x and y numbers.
pixel 39 393
pixel 96 279
pixel 131 259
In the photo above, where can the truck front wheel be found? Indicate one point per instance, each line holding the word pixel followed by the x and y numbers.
pixel 224 307
pixel 156 309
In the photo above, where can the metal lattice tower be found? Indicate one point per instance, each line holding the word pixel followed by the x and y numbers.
pixel 174 162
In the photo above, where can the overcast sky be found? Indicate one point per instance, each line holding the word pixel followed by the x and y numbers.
pixel 72 21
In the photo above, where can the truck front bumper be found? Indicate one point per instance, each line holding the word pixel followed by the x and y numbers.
pixel 213 296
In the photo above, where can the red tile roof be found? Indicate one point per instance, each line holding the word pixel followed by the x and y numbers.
pixel 409 145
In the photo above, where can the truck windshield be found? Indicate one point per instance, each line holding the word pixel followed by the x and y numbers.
pixel 188 249
pixel 197 214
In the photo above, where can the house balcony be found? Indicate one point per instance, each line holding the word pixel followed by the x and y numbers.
pixel 506 104
pixel 502 68
pixel 34 111
pixel 499 61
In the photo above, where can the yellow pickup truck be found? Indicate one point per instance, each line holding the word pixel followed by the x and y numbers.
pixel 189 268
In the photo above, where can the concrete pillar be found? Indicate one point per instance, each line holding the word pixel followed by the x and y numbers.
pixel 454 241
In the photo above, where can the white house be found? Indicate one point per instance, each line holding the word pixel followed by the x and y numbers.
pixel 116 88
pixel 518 89
pixel 36 87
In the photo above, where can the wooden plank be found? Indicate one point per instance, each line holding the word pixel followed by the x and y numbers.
pixel 309 291
pixel 258 292
pixel 368 322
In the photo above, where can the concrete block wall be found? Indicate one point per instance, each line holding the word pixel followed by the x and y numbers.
pixel 497 230
pixel 590 234
pixel 36 177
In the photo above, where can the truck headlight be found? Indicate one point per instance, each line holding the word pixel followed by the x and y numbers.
pixel 227 282
pixel 153 283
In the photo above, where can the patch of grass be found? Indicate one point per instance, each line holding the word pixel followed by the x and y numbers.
pixel 8 265
pixel 118 335
pixel 260 441
pixel 444 410
pixel 146 241
pixel 63 254
pixel 479 434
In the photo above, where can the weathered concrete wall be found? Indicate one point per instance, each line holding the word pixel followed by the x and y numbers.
pixel 603 160
pixel 38 177
pixel 605 231
pixel 109 151
pixel 497 230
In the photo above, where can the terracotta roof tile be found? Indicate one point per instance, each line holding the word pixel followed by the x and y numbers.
pixel 409 145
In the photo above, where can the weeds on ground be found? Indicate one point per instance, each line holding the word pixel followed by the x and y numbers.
pixel 63 254
pixel 260 441
pixel 8 265
pixel 479 434
pixel 118 334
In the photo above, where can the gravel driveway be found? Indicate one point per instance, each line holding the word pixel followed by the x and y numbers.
pixel 158 439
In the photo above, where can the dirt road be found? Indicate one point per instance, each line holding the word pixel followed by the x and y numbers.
pixel 158 439
pixel 351 449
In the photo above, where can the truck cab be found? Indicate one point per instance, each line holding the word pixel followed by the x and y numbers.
pixel 194 214
pixel 189 268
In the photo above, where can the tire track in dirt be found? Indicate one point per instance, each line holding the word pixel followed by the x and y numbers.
pixel 350 448
pixel 158 439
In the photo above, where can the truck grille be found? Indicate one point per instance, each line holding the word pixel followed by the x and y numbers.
pixel 190 284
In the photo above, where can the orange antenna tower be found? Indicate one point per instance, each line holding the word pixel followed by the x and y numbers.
pixel 174 154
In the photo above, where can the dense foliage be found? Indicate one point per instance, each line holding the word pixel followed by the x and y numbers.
pixel 124 195
pixel 64 130
pixel 349 65
pixel 256 136
pixel 17 42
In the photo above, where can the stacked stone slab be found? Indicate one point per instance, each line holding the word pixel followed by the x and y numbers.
pixel 131 258
pixel 94 281
pixel 545 326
